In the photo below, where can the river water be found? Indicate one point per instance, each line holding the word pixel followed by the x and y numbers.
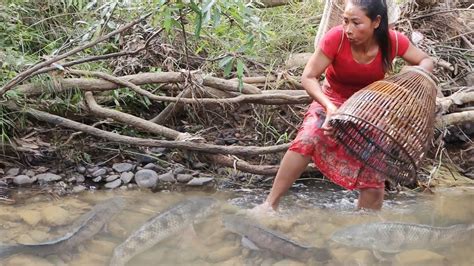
pixel 309 215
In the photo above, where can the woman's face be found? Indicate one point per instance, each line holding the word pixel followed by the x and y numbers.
pixel 359 28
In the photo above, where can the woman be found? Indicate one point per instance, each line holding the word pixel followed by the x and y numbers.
pixel 352 56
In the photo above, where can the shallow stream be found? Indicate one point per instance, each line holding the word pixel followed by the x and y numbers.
pixel 309 215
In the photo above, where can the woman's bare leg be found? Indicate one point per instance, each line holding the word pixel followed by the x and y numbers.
pixel 292 166
pixel 371 198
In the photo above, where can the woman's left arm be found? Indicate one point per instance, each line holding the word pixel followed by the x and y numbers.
pixel 415 56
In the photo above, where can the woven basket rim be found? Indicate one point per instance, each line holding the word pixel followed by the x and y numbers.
pixel 431 78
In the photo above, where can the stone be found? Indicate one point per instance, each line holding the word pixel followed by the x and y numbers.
pixel 223 254
pixel 111 178
pixel 184 178
pixel 122 167
pixel 99 172
pixel 31 217
pixel 41 170
pixel 92 169
pixel 78 189
pixel 361 257
pixel 100 247
pixel 150 166
pixel 167 177
pixel 419 257
pixel 81 169
pixel 146 178
pixel 13 171
pixel 126 177
pixel 23 180
pixel 47 177
pixel 199 181
pixel 29 173
pixel 97 179
pixel 55 215
pixel 78 178
pixel 114 184
pixel 38 236
pixel 179 170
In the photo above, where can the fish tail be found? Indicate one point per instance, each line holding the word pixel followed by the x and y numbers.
pixel 6 251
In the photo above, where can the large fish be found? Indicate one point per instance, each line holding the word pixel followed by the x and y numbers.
pixel 83 229
pixel 167 223
pixel 390 237
pixel 265 238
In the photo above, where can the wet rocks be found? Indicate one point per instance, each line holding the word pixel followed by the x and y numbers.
pixel 167 177
pixel 13 172
pixel 184 178
pixel 114 184
pixel 125 175
pixel 199 181
pixel 419 257
pixel 55 215
pixel 99 172
pixel 146 178
pixel 23 180
pixel 30 217
pixel 122 167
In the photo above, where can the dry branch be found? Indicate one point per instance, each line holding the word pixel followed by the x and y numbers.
pixel 131 120
pixel 90 84
pixel 459 98
pixel 201 147
pixel 455 119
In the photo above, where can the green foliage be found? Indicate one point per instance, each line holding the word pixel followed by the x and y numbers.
pixel 231 34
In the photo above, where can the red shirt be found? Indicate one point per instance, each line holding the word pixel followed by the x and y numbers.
pixel 345 76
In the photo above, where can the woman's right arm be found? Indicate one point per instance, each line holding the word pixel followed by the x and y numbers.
pixel 316 65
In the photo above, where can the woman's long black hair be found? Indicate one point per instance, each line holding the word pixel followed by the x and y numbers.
pixel 374 8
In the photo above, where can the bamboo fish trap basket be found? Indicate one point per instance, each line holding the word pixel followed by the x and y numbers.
pixel 389 124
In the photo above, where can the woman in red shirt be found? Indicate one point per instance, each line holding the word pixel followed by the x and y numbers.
pixel 352 55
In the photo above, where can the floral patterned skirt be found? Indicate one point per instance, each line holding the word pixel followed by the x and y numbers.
pixel 331 158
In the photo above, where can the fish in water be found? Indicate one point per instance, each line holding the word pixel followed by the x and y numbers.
pixel 392 237
pixel 264 238
pixel 167 223
pixel 83 229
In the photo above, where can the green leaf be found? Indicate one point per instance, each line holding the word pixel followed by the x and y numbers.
pixel 224 61
pixel 228 67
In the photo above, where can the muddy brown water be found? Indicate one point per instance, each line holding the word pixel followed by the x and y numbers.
pixel 309 214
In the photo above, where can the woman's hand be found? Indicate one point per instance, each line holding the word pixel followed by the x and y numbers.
pixel 330 111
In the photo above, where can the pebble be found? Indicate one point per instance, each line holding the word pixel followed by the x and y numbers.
pixel 111 178
pixel 122 167
pixel 78 188
pixel 126 177
pixel 99 172
pixel 167 177
pixel 150 166
pixel 13 171
pixel 146 178
pixel 114 184
pixel 47 177
pixel 179 170
pixel 55 215
pixel 81 169
pixel 31 217
pixel 23 180
pixel 97 179
pixel 199 181
pixel 29 173
pixel 184 178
